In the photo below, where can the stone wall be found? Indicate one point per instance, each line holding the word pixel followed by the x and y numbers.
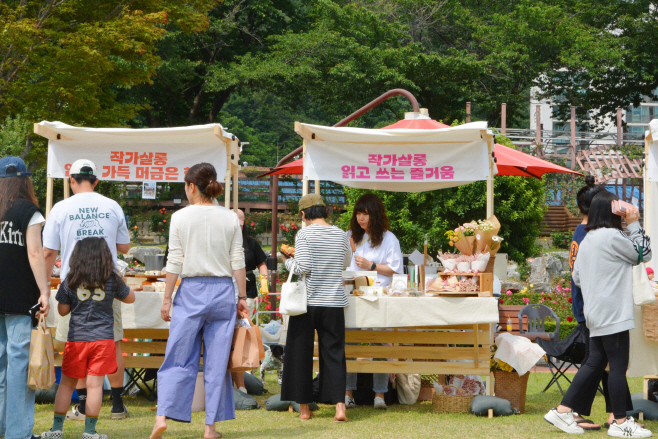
pixel 146 236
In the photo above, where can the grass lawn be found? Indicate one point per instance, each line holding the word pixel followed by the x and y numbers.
pixel 417 421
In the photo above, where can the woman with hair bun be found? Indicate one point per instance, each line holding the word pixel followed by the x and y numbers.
pixel 205 250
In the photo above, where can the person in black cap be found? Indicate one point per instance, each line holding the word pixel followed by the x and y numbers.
pixel 23 286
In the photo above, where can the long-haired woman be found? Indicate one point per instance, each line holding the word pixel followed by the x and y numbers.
pixel 603 272
pixel 23 285
pixel 377 249
pixel 205 249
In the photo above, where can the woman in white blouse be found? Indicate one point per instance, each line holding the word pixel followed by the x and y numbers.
pixel 205 249
pixel 377 249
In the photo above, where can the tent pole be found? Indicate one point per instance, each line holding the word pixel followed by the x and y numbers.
pixel 503 118
pixel 49 195
pixel 646 220
pixel 490 179
pixel 317 187
pixel 236 173
pixel 67 188
pixel 227 185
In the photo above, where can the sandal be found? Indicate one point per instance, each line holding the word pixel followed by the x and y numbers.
pixel 587 421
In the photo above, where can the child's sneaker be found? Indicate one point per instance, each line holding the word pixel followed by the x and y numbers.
pixel 57 434
pixel 74 414
pixel 563 421
pixel 93 436
pixel 628 428
pixel 122 414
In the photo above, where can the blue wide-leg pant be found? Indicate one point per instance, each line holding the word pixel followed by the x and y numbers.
pixel 204 312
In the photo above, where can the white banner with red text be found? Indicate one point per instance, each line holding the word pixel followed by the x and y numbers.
pixel 398 160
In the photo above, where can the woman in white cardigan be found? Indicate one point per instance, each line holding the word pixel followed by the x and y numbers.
pixel 205 250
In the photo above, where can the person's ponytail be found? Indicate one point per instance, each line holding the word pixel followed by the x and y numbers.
pixel 214 189
pixel 589 180
pixel 586 194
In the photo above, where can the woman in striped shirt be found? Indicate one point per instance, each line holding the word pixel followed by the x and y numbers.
pixel 321 253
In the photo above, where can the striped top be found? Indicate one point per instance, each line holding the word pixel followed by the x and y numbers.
pixel 321 253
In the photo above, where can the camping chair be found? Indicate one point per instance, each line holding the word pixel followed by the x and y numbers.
pixel 140 378
pixel 537 315
pixel 571 351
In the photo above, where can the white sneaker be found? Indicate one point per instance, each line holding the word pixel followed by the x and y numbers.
pixel 57 434
pixel 379 403
pixel 93 436
pixel 74 414
pixel 243 390
pixel 563 421
pixel 349 402
pixel 628 428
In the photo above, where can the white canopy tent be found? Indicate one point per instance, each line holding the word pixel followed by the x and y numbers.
pixel 400 160
pixel 137 155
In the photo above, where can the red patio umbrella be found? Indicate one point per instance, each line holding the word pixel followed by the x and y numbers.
pixel 513 162
pixel 293 168
pixel 416 124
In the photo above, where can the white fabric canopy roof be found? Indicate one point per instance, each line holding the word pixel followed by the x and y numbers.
pixel 400 160
pixel 125 154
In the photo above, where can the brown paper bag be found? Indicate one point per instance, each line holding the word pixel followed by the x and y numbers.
pixel 483 238
pixel 466 245
pixel 41 372
pixel 247 349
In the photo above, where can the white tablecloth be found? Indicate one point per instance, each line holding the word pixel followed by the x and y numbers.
pixel 386 312
pixel 392 312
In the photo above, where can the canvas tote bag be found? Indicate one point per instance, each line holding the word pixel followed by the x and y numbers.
pixel 293 296
pixel 642 291
pixel 247 349
pixel 41 372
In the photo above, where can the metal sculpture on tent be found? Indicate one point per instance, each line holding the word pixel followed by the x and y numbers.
pixel 151 154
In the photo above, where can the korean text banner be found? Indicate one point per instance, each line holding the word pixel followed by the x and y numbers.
pixel 397 160
pixel 137 162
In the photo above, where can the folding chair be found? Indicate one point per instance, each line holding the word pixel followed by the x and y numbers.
pixel 141 378
pixel 570 351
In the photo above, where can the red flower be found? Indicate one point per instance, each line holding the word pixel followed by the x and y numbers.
pixel 277 308
pixel 164 221
pixel 135 227
pixel 501 300
pixel 569 319
pixel 570 301
pixel 268 307
pixel 253 224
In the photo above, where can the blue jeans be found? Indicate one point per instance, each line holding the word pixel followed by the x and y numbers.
pixel 16 399
pixel 379 382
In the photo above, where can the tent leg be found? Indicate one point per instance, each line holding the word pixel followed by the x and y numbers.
pixel 227 185
pixel 317 187
pixel 236 172
pixel 67 188
pixel 49 196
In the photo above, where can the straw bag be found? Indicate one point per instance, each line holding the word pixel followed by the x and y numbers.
pixel 642 291
pixel 293 296
pixel 247 349
pixel 41 372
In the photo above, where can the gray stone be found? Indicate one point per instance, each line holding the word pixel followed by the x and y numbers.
pixel 512 271
pixel 543 271
pixel 564 256
pixel 508 285
pixel 139 252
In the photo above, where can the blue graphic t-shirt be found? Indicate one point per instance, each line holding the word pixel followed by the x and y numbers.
pixel 577 303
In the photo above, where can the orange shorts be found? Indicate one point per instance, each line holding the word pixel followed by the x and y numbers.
pixel 82 358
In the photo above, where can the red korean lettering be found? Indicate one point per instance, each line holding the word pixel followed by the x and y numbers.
pixel 142 172
pixel 404 160
pixel 364 172
pixel 375 159
pixel 447 172
pixel 131 158
pixel 146 159
pixel 420 159
pixel 157 174
pixel 123 172
pixel 109 172
pixel 417 174
pixel 397 174
pixel 171 174
pixel 348 171
pixel 389 159
pixel 116 156
pixel 432 173
pixel 161 159
pixel 382 174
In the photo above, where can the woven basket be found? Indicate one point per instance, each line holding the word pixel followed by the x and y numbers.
pixel 452 403
pixel 650 321
pixel 512 387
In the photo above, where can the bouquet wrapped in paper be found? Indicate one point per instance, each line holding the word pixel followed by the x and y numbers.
pixel 448 260
pixel 466 243
pixel 480 261
pixel 485 231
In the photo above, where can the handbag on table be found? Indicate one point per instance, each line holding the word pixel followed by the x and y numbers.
pixel 293 296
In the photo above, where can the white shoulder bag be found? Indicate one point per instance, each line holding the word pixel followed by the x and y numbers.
pixel 293 296
pixel 642 291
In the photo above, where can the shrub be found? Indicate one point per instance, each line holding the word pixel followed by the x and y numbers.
pixel 565 327
pixel 558 299
pixel 524 270
pixel 562 239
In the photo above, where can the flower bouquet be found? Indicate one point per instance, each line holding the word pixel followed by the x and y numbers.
pixel 480 261
pixel 485 231
pixel 448 260
pixel 466 238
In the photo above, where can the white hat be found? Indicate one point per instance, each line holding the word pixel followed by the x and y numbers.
pixel 76 167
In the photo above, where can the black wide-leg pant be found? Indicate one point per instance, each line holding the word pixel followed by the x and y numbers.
pixel 613 349
pixel 298 361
